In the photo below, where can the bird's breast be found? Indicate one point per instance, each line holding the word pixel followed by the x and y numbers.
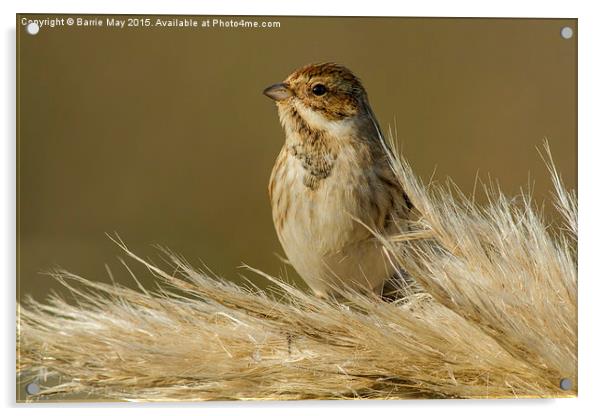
pixel 320 199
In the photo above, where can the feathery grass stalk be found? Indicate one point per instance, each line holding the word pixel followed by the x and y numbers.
pixel 496 317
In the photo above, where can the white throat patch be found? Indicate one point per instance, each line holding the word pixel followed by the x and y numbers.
pixel 336 128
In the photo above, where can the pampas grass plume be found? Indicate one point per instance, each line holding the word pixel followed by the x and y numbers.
pixel 495 316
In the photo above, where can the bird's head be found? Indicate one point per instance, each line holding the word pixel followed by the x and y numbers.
pixel 326 96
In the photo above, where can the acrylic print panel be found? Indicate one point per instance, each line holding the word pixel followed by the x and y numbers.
pixel 225 208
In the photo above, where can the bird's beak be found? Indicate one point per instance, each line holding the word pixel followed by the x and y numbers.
pixel 278 92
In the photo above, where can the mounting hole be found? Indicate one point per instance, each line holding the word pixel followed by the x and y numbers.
pixel 32 388
pixel 566 32
pixel 32 28
pixel 566 384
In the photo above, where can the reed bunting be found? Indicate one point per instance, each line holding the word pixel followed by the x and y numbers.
pixel 332 185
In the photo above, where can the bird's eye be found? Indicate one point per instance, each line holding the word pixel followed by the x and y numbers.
pixel 318 89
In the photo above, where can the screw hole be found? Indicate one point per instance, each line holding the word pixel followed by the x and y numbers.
pixel 566 384
pixel 32 28
pixel 566 32
pixel 32 388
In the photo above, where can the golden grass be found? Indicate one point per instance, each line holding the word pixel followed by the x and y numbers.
pixel 496 316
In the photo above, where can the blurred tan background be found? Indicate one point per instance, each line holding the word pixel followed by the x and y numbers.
pixel 163 135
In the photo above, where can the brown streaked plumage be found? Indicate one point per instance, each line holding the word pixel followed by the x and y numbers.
pixel 331 180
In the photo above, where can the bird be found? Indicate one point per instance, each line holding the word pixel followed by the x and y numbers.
pixel 332 186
